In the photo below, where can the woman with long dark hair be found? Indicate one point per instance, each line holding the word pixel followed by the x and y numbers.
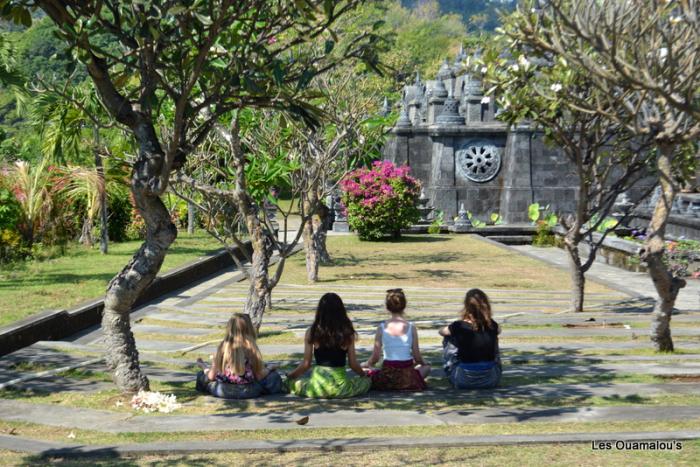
pixel 330 341
pixel 472 356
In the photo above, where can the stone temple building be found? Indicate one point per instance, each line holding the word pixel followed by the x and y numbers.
pixel 447 132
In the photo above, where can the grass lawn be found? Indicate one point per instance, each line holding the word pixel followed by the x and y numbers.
pixel 550 455
pixel 459 261
pixel 82 274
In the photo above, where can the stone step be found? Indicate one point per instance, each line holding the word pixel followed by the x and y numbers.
pixel 512 239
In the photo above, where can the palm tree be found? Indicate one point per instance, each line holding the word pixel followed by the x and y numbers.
pixel 64 118
pixel 96 187
pixel 33 188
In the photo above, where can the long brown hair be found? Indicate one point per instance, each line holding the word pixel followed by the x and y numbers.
pixel 331 328
pixel 238 346
pixel 395 301
pixel 477 309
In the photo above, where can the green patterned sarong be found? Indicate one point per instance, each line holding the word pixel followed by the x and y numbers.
pixel 329 383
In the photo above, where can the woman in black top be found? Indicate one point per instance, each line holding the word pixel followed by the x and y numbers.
pixel 472 357
pixel 331 342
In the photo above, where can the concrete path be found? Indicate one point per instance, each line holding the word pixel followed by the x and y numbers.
pixel 325 417
pixel 63 450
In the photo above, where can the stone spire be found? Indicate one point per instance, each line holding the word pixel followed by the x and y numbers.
pixel 386 108
pixel 445 73
pixel 461 56
pixel 450 111
pixel 404 121
pixel 418 81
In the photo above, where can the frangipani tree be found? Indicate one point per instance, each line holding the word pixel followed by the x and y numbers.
pixel 185 64
pixel 643 58
pixel 546 91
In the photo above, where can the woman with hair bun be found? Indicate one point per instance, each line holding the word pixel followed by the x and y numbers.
pixel 472 356
pixel 396 341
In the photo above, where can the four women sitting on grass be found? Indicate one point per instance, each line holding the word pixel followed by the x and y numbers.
pixel 470 346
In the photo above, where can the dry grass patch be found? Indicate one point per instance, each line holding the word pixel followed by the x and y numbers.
pixel 455 261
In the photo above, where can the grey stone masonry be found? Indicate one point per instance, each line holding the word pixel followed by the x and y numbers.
pixel 449 134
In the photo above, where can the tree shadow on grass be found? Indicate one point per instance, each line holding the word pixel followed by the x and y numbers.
pixel 57 279
pixel 349 277
pixel 443 273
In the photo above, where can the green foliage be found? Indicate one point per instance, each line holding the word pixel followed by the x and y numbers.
pixel 120 212
pixel 438 221
pixel 41 53
pixel 480 14
pixel 543 235
pixel 496 219
pixel 12 248
pixel 9 210
pixel 608 224
pixel 533 212
pixel 475 222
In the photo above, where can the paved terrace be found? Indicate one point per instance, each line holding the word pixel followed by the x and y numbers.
pixel 560 367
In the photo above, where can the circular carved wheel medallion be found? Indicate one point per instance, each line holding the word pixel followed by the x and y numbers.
pixel 479 162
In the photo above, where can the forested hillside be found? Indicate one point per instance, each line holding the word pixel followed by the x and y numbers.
pixel 479 14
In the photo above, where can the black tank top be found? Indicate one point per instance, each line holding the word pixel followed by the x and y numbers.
pixel 330 357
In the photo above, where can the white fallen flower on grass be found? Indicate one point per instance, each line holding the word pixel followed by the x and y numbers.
pixel 556 87
pixel 148 401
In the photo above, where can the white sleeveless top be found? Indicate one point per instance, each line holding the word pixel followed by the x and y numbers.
pixel 397 347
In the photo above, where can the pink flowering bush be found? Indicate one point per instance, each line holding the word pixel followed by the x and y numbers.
pixel 380 200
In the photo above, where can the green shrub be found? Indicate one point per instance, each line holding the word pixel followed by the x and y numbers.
pixel 9 210
pixel 543 235
pixel 120 212
pixel 434 227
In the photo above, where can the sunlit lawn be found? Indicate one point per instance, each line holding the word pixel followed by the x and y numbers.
pixel 80 275
pixel 431 261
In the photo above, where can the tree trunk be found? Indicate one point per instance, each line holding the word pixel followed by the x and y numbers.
pixel 86 232
pixel 104 218
pixel 190 218
pixel 314 237
pixel 652 253
pixel 321 235
pixel 148 183
pixel 259 270
pixel 312 257
pixel 578 277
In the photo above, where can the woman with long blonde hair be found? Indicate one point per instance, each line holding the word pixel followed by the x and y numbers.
pixel 472 356
pixel 238 370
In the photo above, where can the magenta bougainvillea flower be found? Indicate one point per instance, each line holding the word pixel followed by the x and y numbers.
pixel 380 199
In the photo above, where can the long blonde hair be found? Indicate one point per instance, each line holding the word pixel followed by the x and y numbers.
pixel 238 346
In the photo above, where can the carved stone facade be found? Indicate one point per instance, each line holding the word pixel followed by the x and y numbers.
pixel 449 135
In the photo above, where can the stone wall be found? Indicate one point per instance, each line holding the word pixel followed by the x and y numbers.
pixel 527 170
